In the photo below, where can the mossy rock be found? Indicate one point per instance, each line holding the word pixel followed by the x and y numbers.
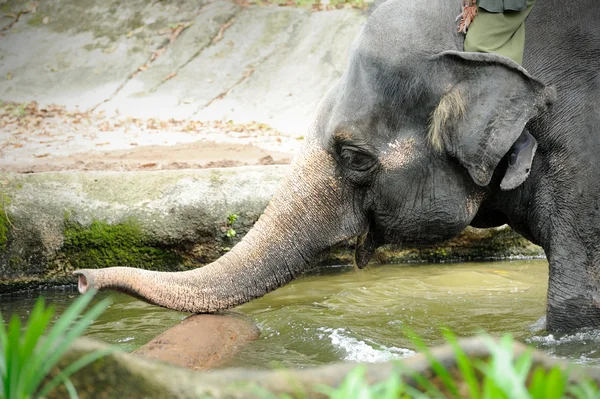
pixel 4 229
pixel 471 245
pixel 103 245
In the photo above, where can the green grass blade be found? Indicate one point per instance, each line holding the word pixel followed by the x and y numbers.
pixel 431 391
pixel 585 389
pixel 13 366
pixel 414 393
pixel 60 337
pixel 75 367
pixel 500 371
pixel 64 322
pixel 3 354
pixel 3 334
pixel 556 383
pixel 523 365
pixel 537 385
pixel 391 388
pixel 2 375
pixel 76 331
pixel 37 324
pixel 436 365
pixel 71 389
pixel 465 365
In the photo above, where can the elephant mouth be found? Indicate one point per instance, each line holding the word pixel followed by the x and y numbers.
pixel 366 244
pixel 82 284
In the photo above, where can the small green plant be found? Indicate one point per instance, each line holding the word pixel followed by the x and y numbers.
pixel 231 219
pixel 21 109
pixel 28 357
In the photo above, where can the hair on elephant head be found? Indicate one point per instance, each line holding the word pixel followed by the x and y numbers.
pixel 406 147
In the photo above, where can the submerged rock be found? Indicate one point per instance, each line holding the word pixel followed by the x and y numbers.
pixel 202 341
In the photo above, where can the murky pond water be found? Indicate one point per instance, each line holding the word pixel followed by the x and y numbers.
pixel 337 313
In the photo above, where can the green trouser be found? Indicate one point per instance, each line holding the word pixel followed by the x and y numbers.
pixel 500 33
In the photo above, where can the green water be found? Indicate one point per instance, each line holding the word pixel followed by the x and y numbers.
pixel 337 313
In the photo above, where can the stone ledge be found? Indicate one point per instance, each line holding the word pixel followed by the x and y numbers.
pixel 167 220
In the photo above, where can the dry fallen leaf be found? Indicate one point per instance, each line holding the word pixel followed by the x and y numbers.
pixel 171 75
pixel 148 165
pixel 41 155
pixel 143 68
pixel 9 76
pixel 45 20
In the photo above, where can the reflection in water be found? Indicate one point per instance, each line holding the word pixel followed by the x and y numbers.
pixel 341 314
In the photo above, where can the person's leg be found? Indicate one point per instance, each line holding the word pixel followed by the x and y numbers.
pixel 500 33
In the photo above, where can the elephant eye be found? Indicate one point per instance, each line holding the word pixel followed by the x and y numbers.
pixel 356 160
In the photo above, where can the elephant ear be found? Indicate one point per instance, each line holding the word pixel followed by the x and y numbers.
pixel 490 100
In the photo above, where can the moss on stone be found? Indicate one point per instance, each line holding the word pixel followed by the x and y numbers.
pixel 471 245
pixel 103 245
pixel 36 20
pixel 4 221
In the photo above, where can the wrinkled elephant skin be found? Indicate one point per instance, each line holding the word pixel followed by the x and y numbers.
pixel 202 342
pixel 410 147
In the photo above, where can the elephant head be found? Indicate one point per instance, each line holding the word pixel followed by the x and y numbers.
pixel 404 148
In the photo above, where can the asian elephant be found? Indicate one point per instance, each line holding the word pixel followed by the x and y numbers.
pixel 409 146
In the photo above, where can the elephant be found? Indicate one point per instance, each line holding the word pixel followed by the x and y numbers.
pixel 410 145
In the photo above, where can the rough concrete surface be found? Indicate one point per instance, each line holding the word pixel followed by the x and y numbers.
pixel 174 212
pixel 177 59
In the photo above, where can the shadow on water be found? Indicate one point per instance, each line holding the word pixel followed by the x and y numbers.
pixel 337 313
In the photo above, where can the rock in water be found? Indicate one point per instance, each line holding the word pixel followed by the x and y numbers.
pixel 202 341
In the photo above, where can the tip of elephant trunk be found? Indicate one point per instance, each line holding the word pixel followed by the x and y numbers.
pixel 83 283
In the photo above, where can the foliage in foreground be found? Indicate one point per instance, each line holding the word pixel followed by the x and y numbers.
pixel 500 377
pixel 28 355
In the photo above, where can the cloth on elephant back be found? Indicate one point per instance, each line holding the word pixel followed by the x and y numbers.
pixel 470 7
pixel 499 33
pixel 502 5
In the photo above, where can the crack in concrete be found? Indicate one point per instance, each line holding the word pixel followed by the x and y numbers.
pixel 5 30
pixel 129 77
pixel 160 50
pixel 210 43
pixel 247 73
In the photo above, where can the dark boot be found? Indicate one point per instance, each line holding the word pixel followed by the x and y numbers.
pixel 520 158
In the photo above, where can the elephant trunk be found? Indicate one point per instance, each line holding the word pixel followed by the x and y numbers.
pixel 307 215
